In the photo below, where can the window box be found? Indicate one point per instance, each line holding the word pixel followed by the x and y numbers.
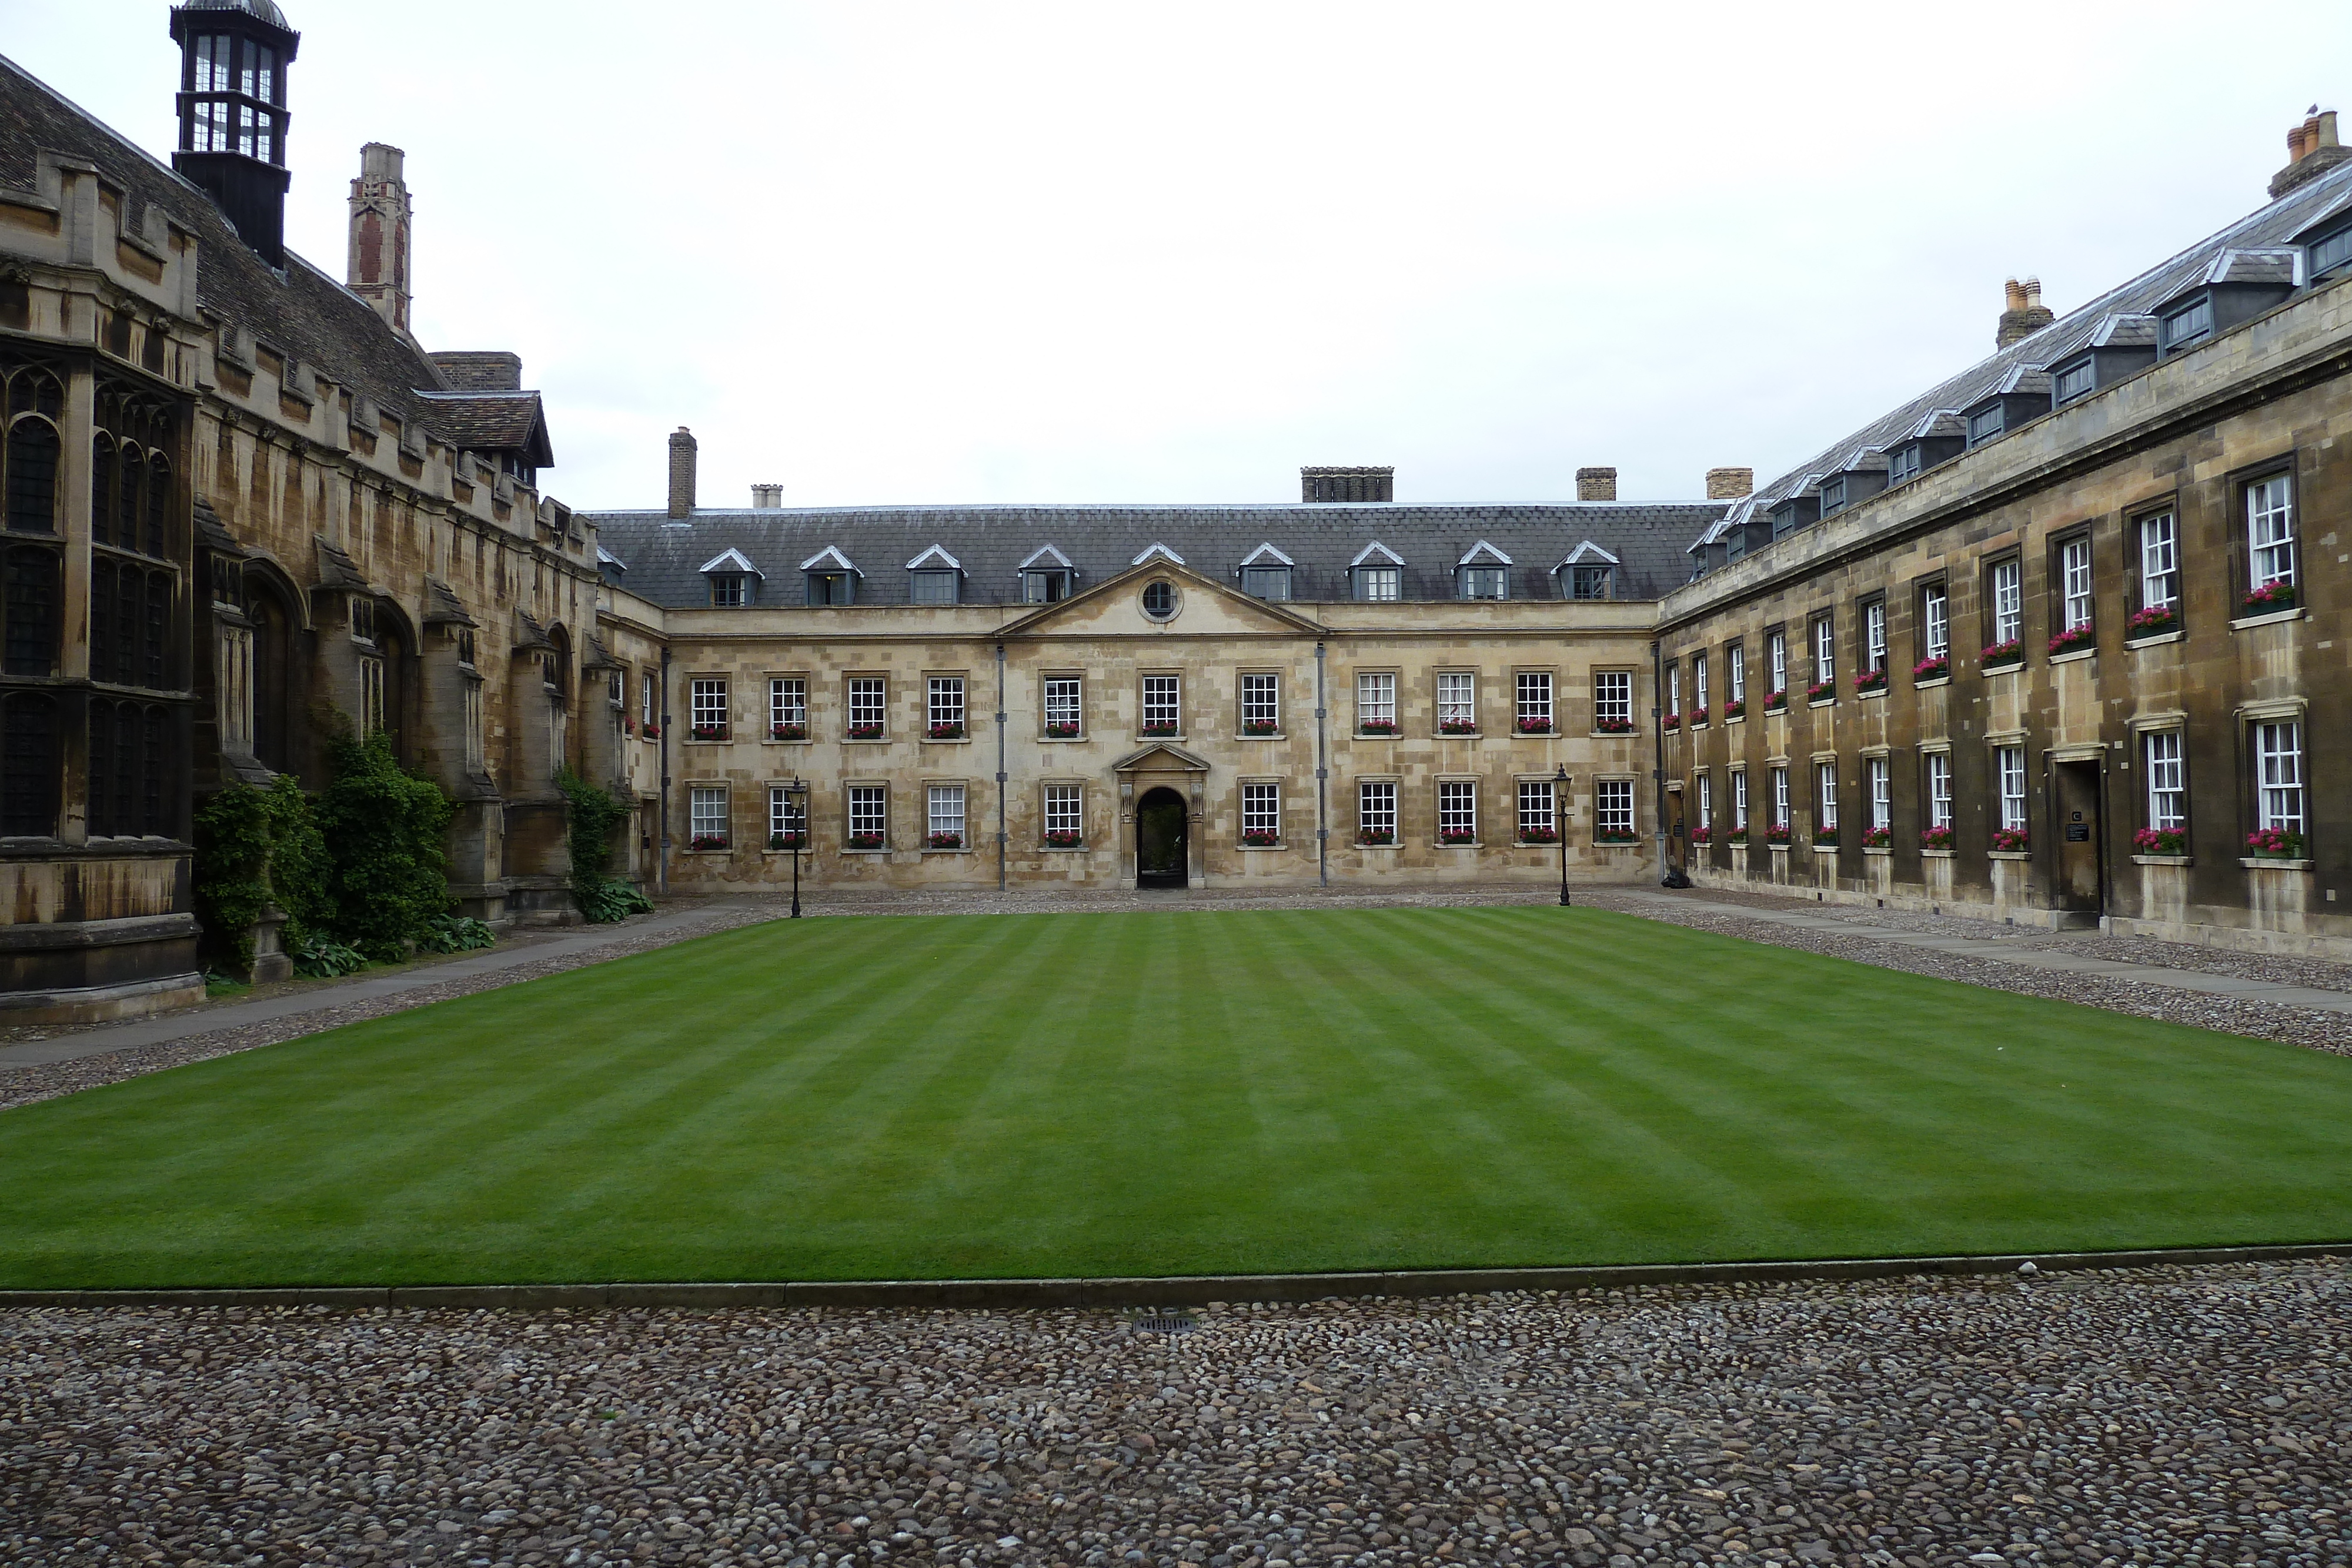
pixel 1617 840
pixel 2001 655
pixel 788 732
pixel 2153 621
pixel 1939 668
pixel 1672 721
pixel 1612 727
pixel 1060 732
pixel 1066 840
pixel 628 725
pixel 2009 841
pixel 2243 622
pixel 1378 730
pixel 1734 708
pixel 2269 596
pixel 945 732
pixel 1702 837
pixel 1457 727
pixel 864 732
pixel 1377 838
pixel 1261 839
pixel 1870 683
pixel 944 842
pixel 2275 843
pixel 1776 702
pixel 1160 732
pixel 1262 729
pixel 1825 838
pixel 2164 860
pixel 1777 837
pixel 1698 719
pixel 1737 838
pixel 783 842
pixel 1538 836
pixel 710 732
pixel 1822 693
pixel 1877 838
pixel 2167 841
pixel 2070 640
pixel 1458 836
pixel 1939 840
pixel 705 843
pixel 1535 726
pixel 653 732
pixel 866 842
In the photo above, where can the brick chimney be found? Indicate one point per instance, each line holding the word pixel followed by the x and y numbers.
pixel 2024 314
pixel 681 472
pixel 767 497
pixel 1341 484
pixel 1596 484
pixel 377 264
pixel 2311 151
pixel 1730 484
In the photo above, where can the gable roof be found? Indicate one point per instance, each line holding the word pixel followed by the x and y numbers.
pixel 1483 551
pixel 935 556
pixel 728 560
pixel 1379 550
pixel 1044 555
pixel 1576 555
pixel 1155 550
pixel 830 558
pixel 1118 585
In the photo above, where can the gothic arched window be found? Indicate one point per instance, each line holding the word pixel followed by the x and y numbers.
pixel 159 506
pixel 32 611
pixel 29 765
pixel 101 488
pixel 33 476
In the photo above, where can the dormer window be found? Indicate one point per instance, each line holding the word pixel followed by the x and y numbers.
pixel 1795 513
pixel 1046 576
pixel 2077 380
pixel 730 575
pixel 830 578
pixel 1833 495
pixel 1484 572
pixel 1902 463
pixel 1591 581
pixel 934 577
pixel 2191 323
pixel 1377 574
pixel 2330 254
pixel 1984 424
pixel 1267 581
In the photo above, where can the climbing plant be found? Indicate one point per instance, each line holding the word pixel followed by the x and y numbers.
pixel 387 871
pixel 594 812
pixel 255 848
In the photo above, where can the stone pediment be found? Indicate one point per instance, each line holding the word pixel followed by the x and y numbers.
pixel 1206 608
pixel 1160 755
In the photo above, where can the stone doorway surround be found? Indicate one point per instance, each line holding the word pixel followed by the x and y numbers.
pixel 1155 767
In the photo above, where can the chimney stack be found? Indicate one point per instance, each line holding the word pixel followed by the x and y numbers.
pixel 1329 484
pixel 2024 314
pixel 2311 151
pixel 767 497
pixel 376 264
pixel 681 472
pixel 1730 484
pixel 1596 484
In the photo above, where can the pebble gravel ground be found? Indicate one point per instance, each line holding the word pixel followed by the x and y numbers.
pixel 2173 1416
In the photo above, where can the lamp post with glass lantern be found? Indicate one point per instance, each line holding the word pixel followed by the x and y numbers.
pixel 796 796
pixel 1560 825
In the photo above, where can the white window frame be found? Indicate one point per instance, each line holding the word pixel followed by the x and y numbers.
pixel 1262 807
pixel 1939 789
pixel 1375 807
pixel 944 704
pixel 1825 795
pixel 1376 697
pixel 1735 670
pixel 2008 601
pixel 1703 789
pixel 1535 697
pixel 1779 804
pixel 1261 700
pixel 2165 758
pixel 706 814
pixel 1612 696
pixel 1824 649
pixel 1164 701
pixel 2270 532
pixel 1539 799
pixel 2280 786
pixel 1699 682
pixel 1874 637
pixel 1612 805
pixel 646 684
pixel 869 704
pixel 1066 809
pixel 787 702
pixel 2009 772
pixel 1457 808
pixel 944 813
pixel 1878 775
pixel 1675 689
pixel 2075 583
pixel 1457 698
pixel 1776 659
pixel 870 810
pixel 2159 559
pixel 1935 611
pixel 1065 703
pixel 783 817
pixel 707 707
pixel 1738 799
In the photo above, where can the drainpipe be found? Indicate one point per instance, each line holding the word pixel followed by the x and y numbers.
pixel 1322 773
pixel 1667 875
pixel 661 838
pixel 1000 767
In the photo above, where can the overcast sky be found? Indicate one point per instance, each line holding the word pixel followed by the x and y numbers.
pixel 1082 253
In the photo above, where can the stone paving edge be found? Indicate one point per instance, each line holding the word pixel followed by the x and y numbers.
pixel 1173 1290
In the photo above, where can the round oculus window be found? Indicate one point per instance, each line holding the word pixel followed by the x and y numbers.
pixel 1159 600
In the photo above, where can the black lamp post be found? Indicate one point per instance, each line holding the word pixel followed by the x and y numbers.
pixel 797 796
pixel 1560 825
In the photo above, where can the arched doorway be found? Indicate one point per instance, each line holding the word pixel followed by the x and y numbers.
pixel 1162 854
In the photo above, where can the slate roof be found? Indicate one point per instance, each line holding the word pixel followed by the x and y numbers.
pixel 492 422
pixel 661 557
pixel 2253 249
pixel 303 312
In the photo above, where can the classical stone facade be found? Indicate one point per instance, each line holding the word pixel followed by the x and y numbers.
pixel 2064 640
pixel 245 509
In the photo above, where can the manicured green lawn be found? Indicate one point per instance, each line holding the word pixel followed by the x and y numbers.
pixel 1179 1092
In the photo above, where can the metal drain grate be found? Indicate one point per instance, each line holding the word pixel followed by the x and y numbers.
pixel 1165 1323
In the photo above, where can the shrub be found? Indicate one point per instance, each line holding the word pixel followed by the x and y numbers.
pixel 592 812
pixel 612 899
pixel 454 934
pixel 388 873
pixel 322 957
pixel 255 848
